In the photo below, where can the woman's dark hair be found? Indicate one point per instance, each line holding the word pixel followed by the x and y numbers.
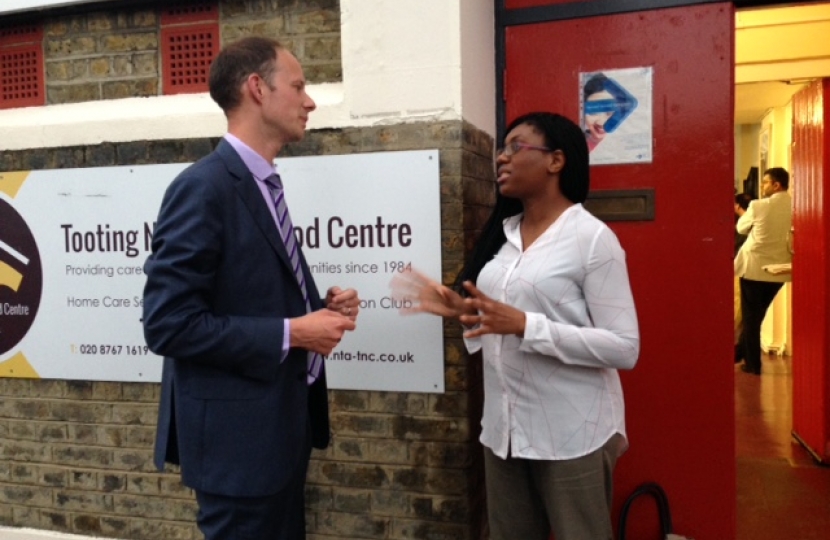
pixel 235 63
pixel 559 133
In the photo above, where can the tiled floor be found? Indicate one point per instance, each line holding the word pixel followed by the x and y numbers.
pixel 783 494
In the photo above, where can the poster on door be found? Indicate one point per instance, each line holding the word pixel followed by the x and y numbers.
pixel 616 115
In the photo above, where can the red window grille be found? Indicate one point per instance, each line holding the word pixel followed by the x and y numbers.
pixel 190 13
pixel 187 52
pixel 21 67
pixel 16 35
pixel 189 42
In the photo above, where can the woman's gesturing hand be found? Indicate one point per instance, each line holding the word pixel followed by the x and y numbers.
pixel 420 294
pixel 491 316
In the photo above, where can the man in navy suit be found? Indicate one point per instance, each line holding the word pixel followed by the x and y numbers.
pixel 241 406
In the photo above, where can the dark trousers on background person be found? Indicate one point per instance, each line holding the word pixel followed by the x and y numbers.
pixel 756 297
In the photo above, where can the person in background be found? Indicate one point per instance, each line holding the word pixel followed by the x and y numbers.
pixel 231 305
pixel 742 201
pixel 548 302
pixel 767 222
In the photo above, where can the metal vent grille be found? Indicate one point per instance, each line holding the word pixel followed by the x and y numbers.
pixel 17 35
pixel 186 56
pixel 21 76
pixel 190 13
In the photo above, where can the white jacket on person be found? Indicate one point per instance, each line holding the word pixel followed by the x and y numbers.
pixel 767 222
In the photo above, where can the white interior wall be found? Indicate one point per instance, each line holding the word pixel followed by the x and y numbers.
pixel 403 61
pixel 776 330
pixel 746 151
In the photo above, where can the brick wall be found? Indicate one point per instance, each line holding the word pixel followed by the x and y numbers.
pixel 309 28
pixel 76 456
pixel 115 53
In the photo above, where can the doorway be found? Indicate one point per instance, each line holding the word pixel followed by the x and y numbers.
pixel 780 51
pixel 776 62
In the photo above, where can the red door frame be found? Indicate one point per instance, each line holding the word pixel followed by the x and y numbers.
pixel 811 221
pixel 680 397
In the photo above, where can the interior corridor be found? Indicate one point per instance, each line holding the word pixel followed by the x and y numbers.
pixel 783 493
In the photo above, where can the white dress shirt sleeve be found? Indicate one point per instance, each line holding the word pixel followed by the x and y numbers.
pixel 473 344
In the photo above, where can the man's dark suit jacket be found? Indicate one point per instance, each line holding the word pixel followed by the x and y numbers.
pixel 219 285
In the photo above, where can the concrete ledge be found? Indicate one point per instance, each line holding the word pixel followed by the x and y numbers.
pixel 183 116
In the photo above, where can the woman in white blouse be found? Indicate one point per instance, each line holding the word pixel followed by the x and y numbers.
pixel 549 304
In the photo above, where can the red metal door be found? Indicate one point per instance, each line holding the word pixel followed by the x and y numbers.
pixel 680 397
pixel 811 221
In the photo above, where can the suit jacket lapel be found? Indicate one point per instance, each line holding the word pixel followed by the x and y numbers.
pixel 251 196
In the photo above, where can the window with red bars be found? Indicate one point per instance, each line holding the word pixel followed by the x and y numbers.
pixel 21 67
pixel 189 42
pixel 190 13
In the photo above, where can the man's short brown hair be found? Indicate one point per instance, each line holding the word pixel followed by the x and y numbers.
pixel 235 63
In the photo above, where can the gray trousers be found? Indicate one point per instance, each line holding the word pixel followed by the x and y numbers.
pixel 528 499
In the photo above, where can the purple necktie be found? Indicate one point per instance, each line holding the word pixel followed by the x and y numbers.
pixel 274 183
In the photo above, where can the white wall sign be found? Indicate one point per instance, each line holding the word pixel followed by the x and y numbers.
pixel 11 6
pixel 73 243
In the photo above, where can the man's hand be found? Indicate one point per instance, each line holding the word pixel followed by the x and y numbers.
pixel 344 302
pixel 319 331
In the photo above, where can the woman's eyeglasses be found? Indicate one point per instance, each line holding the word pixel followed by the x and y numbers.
pixel 515 147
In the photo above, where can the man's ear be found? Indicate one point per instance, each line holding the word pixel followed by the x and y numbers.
pixel 557 161
pixel 253 88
